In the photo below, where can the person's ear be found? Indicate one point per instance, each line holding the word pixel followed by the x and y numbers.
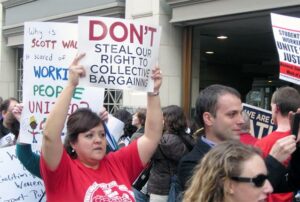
pixel 73 146
pixel 3 113
pixel 277 108
pixel 208 118
pixel 229 187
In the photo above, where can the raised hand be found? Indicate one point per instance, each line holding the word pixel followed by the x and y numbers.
pixel 157 77
pixel 291 118
pixel 103 114
pixel 76 70
pixel 17 111
pixel 283 148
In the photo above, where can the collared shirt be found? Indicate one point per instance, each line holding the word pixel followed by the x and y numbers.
pixel 207 141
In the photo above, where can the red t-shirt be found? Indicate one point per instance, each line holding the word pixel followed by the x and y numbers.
pixel 112 181
pixel 265 144
pixel 247 138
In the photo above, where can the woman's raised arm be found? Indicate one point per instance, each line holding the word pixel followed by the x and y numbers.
pixel 52 146
pixel 147 144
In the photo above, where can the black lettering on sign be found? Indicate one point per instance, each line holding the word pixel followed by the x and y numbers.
pixel 22 184
pixel 18 198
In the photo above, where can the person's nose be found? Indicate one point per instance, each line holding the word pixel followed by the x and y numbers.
pixel 240 119
pixel 267 187
pixel 98 139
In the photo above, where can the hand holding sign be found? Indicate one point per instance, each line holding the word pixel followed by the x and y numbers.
pixel 103 114
pixel 17 111
pixel 157 78
pixel 294 122
pixel 283 148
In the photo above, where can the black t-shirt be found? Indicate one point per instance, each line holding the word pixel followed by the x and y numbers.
pixel 3 131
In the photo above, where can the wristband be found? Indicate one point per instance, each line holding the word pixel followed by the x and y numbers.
pixel 153 94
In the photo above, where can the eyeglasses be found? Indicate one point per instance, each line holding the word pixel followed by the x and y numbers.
pixel 258 181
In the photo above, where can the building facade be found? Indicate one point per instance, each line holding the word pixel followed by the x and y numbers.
pixel 189 28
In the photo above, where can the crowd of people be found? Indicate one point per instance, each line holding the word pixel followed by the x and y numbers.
pixel 219 160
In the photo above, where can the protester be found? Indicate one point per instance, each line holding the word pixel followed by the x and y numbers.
pixel 219 111
pixel 126 117
pixel 29 159
pixel 6 137
pixel 174 143
pixel 294 165
pixel 231 172
pixel 284 100
pixel 246 137
pixel 138 120
pixel 88 173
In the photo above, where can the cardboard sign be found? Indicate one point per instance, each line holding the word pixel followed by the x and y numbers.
pixel 16 183
pixel 261 123
pixel 120 53
pixel 286 32
pixel 49 49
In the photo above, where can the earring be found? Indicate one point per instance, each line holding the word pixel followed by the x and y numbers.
pixel 73 151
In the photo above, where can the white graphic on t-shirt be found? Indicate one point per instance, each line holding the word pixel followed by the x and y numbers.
pixel 108 192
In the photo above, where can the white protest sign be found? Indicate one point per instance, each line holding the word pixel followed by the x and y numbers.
pixel 286 32
pixel 16 183
pixel 120 53
pixel 115 127
pixel 49 49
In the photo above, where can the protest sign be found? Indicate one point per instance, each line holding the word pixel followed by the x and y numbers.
pixel 286 32
pixel 16 183
pixel 120 53
pixel 49 49
pixel 115 127
pixel 261 123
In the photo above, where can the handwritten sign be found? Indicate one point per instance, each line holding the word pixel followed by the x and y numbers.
pixel 49 49
pixel 261 123
pixel 121 53
pixel 286 32
pixel 16 183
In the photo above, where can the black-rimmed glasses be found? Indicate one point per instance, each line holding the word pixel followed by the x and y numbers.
pixel 258 181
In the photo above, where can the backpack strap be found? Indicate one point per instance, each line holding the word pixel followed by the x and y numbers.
pixel 187 144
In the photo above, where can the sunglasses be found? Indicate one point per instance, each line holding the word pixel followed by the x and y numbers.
pixel 258 181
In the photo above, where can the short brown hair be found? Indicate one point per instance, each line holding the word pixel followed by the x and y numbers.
pixel 141 115
pixel 82 120
pixel 287 99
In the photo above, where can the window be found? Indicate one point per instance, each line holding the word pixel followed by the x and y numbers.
pixel 113 100
pixel 20 74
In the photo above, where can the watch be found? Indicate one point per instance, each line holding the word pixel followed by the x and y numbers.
pixel 153 93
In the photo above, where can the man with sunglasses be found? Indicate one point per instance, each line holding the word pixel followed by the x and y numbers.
pixel 219 111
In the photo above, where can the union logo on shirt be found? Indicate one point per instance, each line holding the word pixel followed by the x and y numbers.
pixel 108 192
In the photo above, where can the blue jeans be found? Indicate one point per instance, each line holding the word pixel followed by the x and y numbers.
pixel 139 196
